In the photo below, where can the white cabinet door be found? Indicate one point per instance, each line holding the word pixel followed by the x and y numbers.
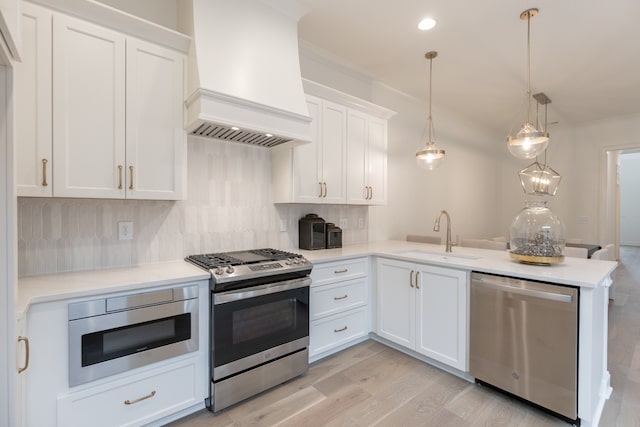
pixel 396 305
pixel 32 80
pixel 307 160
pixel 357 185
pixel 366 159
pixel 155 137
pixel 88 110
pixel 334 167
pixel 442 298
pixel 377 161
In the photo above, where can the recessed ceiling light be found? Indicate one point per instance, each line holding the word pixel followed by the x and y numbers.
pixel 235 128
pixel 427 24
pixel 268 135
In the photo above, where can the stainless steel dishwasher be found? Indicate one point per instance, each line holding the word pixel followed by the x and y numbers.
pixel 524 340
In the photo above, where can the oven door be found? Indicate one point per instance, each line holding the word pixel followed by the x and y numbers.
pixel 254 325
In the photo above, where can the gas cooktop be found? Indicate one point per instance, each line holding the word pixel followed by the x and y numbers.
pixel 249 265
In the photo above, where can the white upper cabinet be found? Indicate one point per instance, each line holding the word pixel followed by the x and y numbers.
pixel 366 159
pixel 155 149
pixel 32 83
pixel 347 160
pixel 99 113
pixel 88 110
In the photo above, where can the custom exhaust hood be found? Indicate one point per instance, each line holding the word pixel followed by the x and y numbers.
pixel 244 82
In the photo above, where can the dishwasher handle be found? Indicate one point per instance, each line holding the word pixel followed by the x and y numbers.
pixel 485 282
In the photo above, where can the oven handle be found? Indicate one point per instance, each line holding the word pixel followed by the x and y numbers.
pixel 256 291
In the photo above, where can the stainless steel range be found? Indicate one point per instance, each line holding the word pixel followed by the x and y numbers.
pixel 259 321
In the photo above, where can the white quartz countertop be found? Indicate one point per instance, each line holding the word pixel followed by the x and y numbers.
pixel 62 286
pixel 585 273
pixel 580 272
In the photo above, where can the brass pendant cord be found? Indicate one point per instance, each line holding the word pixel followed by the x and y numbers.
pixel 430 119
pixel 528 66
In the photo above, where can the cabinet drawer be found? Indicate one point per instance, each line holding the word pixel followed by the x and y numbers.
pixel 341 296
pixel 150 396
pixel 340 270
pixel 336 330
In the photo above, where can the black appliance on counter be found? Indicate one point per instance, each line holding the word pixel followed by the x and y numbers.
pixel 259 321
pixel 311 232
pixel 333 236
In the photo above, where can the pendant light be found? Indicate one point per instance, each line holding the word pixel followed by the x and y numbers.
pixel 536 179
pixel 529 142
pixel 430 157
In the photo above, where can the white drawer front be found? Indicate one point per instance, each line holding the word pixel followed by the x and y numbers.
pixel 337 330
pixel 341 270
pixel 334 298
pixel 151 396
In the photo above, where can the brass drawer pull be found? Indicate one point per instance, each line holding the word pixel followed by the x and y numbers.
pixel 320 184
pixel 140 399
pixel 26 354
pixel 119 177
pixel 411 278
pixel 339 298
pixel 341 271
pixel 324 185
pixel 340 330
pixel 130 177
pixel 370 193
pixel 44 172
pixel 417 279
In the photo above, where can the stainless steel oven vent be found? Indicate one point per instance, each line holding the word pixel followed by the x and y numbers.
pixel 226 133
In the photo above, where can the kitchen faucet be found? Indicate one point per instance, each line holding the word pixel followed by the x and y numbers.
pixel 436 227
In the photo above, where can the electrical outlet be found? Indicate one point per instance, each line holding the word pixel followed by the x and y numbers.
pixel 344 223
pixel 125 230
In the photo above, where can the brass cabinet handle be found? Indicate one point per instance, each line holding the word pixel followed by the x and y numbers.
pixel 140 399
pixel 340 330
pixel 341 271
pixel 411 278
pixel 130 177
pixel 320 184
pixel 44 172
pixel 339 298
pixel 370 193
pixel 417 278
pixel 119 177
pixel 324 185
pixel 26 353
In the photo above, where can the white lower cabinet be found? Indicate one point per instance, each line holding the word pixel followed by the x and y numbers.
pixel 424 308
pixel 339 306
pixel 133 401
pixel 153 392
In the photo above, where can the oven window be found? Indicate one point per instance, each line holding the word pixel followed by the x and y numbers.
pixel 263 320
pixel 118 342
pixel 248 326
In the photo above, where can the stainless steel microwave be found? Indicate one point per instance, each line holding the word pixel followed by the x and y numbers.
pixel 112 335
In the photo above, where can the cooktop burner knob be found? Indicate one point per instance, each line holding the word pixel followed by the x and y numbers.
pixel 288 262
pixel 296 261
pixel 219 271
pixel 230 269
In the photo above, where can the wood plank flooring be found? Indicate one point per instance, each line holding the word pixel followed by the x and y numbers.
pixel 373 385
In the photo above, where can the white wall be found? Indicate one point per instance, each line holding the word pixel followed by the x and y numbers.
pixel 630 199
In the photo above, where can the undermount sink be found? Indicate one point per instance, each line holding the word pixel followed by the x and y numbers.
pixel 415 253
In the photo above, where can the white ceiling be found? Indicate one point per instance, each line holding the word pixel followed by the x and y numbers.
pixel 585 53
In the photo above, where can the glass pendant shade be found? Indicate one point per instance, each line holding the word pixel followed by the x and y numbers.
pixel 539 180
pixel 430 157
pixel 528 143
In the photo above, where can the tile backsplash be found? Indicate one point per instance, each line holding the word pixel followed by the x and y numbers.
pixel 228 208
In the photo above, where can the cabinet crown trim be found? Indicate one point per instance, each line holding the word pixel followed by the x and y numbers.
pixel 349 101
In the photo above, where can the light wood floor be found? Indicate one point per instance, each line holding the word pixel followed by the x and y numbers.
pixel 371 384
